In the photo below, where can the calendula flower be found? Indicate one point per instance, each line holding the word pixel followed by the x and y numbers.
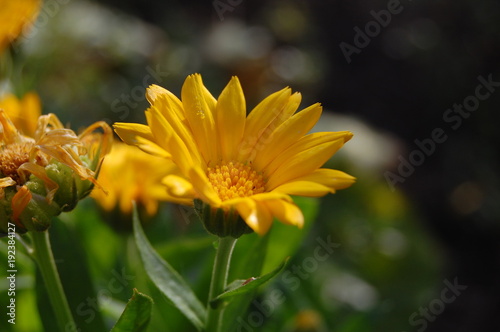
pixel 129 174
pixel 233 165
pixel 47 173
pixel 14 16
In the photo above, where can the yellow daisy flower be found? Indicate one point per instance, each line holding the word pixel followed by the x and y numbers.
pixel 128 174
pixel 14 16
pixel 47 173
pixel 235 165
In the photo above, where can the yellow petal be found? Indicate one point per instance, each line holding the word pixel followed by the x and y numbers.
pixel 318 183
pixel 152 148
pixel 263 120
pixel 230 118
pixel 175 105
pixel 287 213
pixel 47 121
pixel 258 197
pixel 177 200
pixel 67 156
pixel 151 206
pixel 131 175
pixel 127 198
pixel 161 194
pixel 302 158
pixel 8 132
pixel 168 139
pixel 303 144
pixel 271 196
pixel 304 188
pixel 164 106
pixel 177 186
pixel 32 109
pixel 129 131
pixel 256 215
pixel 59 137
pixel 24 113
pixel 15 17
pixel 267 111
pixel 153 91
pixel 141 136
pixel 7 182
pixel 19 202
pixel 199 106
pixel 203 187
pixel 287 134
pixel 331 178
pixel 106 140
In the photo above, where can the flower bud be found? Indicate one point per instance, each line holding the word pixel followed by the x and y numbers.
pixel 44 175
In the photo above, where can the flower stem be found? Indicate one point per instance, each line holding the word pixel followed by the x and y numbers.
pixel 219 281
pixel 42 254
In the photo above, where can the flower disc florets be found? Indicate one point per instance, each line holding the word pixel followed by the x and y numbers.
pixel 234 179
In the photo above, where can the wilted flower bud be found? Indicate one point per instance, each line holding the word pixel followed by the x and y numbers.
pixel 48 173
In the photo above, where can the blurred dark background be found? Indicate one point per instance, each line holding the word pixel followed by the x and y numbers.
pixel 396 84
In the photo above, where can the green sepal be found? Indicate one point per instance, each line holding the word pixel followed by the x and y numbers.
pixel 220 222
pixel 66 195
pixel 37 216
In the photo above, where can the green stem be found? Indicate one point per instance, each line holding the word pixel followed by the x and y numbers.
pixel 42 254
pixel 219 281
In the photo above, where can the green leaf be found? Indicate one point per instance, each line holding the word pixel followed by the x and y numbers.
pixel 136 316
pixel 168 280
pixel 239 287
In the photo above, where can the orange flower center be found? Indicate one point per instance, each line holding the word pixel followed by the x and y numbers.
pixel 14 155
pixel 234 179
